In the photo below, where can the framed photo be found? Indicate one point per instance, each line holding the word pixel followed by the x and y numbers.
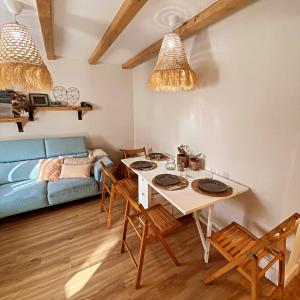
pixel 39 99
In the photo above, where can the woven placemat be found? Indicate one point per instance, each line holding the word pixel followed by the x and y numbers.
pixel 165 157
pixel 196 188
pixel 182 185
pixel 153 166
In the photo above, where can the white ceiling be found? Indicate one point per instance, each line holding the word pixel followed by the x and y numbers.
pixel 79 24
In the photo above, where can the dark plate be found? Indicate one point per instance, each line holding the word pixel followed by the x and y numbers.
pixel 212 186
pixel 141 164
pixel 166 179
pixel 156 155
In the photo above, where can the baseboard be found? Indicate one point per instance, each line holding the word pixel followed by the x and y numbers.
pixel 292 273
pixel 271 274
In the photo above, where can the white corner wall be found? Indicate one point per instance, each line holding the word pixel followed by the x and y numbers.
pixel 245 116
pixel 107 87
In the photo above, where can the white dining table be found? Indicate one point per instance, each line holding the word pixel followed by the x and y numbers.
pixel 187 201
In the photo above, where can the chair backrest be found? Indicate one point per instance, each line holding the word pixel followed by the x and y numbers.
pixel 108 179
pixel 138 209
pixel 276 235
pixel 127 153
pixel 133 152
pixel 282 230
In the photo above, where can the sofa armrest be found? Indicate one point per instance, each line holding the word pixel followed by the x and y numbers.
pixel 98 174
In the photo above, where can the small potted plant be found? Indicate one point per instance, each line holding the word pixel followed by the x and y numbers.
pixel 183 156
pixel 195 162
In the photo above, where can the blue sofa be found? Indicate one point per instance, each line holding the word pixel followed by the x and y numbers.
pixel 20 191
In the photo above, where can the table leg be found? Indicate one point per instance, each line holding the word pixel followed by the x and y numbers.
pixel 208 231
pixel 204 241
pixel 144 192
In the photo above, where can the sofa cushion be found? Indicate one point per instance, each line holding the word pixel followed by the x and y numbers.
pixel 19 150
pixel 65 190
pixel 22 196
pixel 66 146
pixel 19 171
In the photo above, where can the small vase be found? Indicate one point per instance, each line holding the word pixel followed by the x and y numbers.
pixel 181 158
pixel 195 163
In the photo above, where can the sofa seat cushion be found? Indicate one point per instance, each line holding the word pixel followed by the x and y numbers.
pixel 22 196
pixel 65 190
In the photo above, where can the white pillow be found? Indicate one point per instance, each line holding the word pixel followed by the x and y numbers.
pixel 75 171
pixel 79 160
pixel 97 153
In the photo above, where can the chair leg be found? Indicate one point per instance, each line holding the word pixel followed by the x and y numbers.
pixel 168 249
pixel 220 272
pixel 141 257
pixel 103 196
pixel 281 271
pixel 254 280
pixel 110 209
pixel 125 227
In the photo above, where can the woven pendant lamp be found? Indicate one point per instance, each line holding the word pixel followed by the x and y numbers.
pixel 21 66
pixel 172 71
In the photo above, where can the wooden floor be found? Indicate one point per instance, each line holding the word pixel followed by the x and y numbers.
pixel 66 252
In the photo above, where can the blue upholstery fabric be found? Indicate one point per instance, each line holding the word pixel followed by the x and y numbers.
pixel 19 190
pixel 22 196
pixel 64 190
pixel 97 168
pixel 65 146
pixel 21 150
pixel 18 171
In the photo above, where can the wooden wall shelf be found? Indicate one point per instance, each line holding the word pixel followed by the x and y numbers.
pixel 79 109
pixel 18 121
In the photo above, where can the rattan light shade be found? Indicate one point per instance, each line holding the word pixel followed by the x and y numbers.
pixel 172 71
pixel 21 66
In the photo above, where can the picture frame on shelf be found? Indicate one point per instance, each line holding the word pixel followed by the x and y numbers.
pixel 38 100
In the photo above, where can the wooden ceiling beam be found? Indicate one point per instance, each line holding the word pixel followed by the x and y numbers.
pixel 125 14
pixel 44 8
pixel 215 12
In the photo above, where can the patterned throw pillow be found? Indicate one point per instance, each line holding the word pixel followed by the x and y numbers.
pixel 50 169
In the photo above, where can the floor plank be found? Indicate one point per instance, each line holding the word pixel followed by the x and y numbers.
pixel 66 252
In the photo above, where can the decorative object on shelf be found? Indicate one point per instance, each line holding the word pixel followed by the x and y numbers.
pixel 55 103
pixel 68 96
pixel 21 65
pixel 37 100
pixel 86 104
pixel 19 103
pixel 172 71
pixel 5 105
pixel 183 155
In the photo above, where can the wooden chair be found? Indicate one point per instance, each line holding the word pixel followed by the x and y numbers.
pixel 112 186
pixel 150 224
pixel 126 153
pixel 244 251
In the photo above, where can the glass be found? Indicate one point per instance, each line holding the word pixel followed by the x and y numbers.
pixel 170 165
pixel 180 166
pixel 189 174
pixel 208 174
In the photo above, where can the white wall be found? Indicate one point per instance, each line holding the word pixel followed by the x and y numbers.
pixel 107 87
pixel 245 116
